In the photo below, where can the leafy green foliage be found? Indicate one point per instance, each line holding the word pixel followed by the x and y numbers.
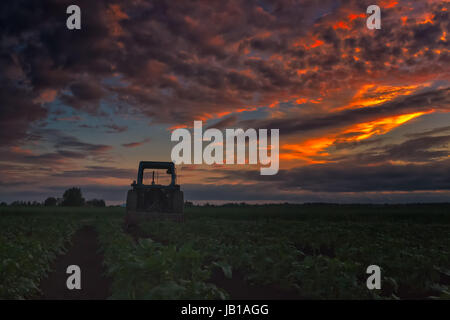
pixel 318 252
pixel 320 259
pixel 150 270
pixel 27 246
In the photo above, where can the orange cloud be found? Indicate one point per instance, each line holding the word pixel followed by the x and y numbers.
pixel 47 95
pixel 348 24
pixel 19 150
pixel 304 71
pixel 354 16
pixel 317 43
pixel 312 44
pixel 205 117
pixel 372 94
pixel 308 150
pixel 388 3
pixel 114 16
pixel 301 100
pixel 216 41
pixel 314 150
pixel 380 126
pixel 178 126
pixel 341 25
pixel 427 18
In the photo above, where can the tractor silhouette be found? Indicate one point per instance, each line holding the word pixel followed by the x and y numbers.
pixel 154 201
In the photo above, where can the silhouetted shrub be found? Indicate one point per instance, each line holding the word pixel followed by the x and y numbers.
pixel 50 202
pixel 96 203
pixel 73 198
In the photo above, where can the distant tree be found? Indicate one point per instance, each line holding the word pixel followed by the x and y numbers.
pixel 73 198
pixel 96 203
pixel 3 204
pixel 50 202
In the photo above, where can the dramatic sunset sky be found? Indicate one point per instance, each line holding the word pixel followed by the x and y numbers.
pixel 363 114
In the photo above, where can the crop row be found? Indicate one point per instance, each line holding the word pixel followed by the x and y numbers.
pixel 149 270
pixel 325 260
pixel 27 248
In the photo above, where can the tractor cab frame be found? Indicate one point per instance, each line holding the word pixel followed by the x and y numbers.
pixel 154 201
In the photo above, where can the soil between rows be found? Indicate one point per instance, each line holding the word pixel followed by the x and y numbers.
pixel 84 252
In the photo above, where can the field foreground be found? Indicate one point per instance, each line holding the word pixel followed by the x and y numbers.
pixel 228 252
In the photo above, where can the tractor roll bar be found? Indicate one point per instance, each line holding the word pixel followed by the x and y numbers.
pixel 170 166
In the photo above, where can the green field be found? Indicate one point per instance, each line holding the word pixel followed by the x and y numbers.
pixel 314 251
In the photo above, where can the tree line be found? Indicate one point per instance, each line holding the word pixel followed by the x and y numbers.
pixel 72 197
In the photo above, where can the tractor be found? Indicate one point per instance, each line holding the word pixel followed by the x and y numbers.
pixel 154 201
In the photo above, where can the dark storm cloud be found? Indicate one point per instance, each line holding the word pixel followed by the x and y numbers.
pixel 65 148
pixel 65 141
pixel 422 149
pixel 48 159
pixel 264 192
pixel 357 144
pixel 354 177
pixel 87 126
pixel 98 172
pixel 110 128
pixel 114 128
pixel 17 111
pixel 42 58
pixel 179 60
pixel 52 157
pixel 84 95
pixel 419 148
pixel 429 132
pixel 176 61
pixel 225 122
pixel 257 191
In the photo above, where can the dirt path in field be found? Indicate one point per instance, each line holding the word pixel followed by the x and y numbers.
pixel 84 252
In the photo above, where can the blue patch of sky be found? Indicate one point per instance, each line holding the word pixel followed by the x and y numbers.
pixel 94 128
